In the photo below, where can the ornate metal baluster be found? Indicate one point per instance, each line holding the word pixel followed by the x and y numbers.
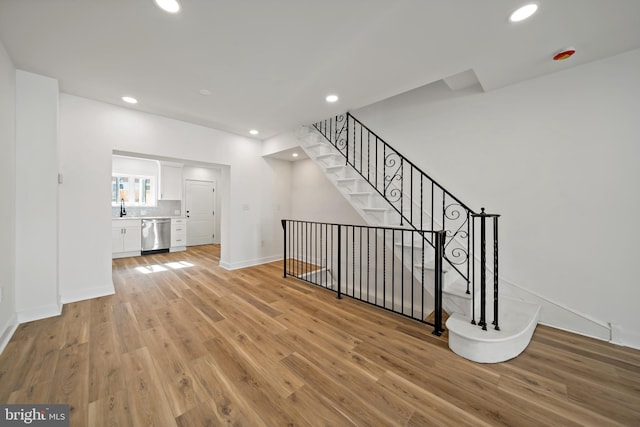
pixel 483 272
pixel 495 272
pixel 457 219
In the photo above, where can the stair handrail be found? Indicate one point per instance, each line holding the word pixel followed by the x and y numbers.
pixel 312 249
pixel 341 132
pixel 413 165
pixel 337 132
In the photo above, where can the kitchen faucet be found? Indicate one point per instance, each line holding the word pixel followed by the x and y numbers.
pixel 123 211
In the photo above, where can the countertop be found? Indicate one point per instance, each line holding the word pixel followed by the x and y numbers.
pixel 149 217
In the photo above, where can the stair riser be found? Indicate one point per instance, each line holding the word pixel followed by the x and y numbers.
pixel 341 172
pixel 351 185
pixel 318 150
pixel 492 346
pixel 329 160
pixel 457 304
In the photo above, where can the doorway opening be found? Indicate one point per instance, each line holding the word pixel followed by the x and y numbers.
pixel 200 210
pixel 198 187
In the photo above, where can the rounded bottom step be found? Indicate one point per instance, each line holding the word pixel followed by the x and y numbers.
pixel 517 322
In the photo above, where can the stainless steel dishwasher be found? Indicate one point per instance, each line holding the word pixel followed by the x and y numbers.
pixel 156 235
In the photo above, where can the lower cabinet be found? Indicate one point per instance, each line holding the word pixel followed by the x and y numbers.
pixel 178 234
pixel 126 239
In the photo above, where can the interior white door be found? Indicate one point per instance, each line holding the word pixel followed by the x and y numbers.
pixel 200 209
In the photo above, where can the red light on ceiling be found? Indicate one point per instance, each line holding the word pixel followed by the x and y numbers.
pixel 565 54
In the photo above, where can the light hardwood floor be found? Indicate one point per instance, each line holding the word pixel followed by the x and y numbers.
pixel 202 346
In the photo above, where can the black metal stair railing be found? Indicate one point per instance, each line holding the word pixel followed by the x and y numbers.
pixel 419 201
pixel 371 264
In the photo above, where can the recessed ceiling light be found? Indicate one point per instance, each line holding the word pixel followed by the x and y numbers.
pixel 295 154
pixel 129 100
pixel 524 12
pixel 205 92
pixel 332 98
pixel 253 132
pixel 171 6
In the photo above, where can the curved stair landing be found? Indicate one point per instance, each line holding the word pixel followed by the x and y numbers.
pixel 518 320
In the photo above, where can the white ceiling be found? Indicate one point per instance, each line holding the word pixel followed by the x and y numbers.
pixel 270 63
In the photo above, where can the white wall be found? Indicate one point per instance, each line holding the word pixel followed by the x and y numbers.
pixel 314 197
pixel 91 130
pixel 36 196
pixel 276 199
pixel 281 142
pixel 135 166
pixel 558 157
pixel 8 319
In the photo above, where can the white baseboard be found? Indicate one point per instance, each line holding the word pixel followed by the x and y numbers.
pixel 625 337
pixel 249 263
pixel 557 315
pixel 38 313
pixel 7 330
pixel 125 254
pixel 89 293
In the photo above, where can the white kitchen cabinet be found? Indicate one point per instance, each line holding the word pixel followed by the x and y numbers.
pixel 126 237
pixel 170 182
pixel 178 234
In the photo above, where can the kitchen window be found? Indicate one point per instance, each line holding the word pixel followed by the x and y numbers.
pixel 135 190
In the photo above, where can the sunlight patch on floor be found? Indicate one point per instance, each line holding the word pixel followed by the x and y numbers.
pixel 147 269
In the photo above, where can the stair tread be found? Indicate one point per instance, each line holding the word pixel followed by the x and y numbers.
pixel 314 145
pixel 417 244
pixel 515 319
pixel 460 293
pixel 325 155
pixel 431 265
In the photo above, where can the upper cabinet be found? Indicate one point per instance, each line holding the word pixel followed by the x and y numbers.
pixel 170 182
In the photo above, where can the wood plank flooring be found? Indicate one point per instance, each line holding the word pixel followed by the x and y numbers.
pixel 202 346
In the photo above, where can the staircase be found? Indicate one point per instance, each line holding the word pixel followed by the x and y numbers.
pixel 386 189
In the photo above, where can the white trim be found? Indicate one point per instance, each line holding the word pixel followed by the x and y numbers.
pixel 624 337
pixel 557 315
pixel 38 313
pixel 90 293
pixel 249 263
pixel 7 331
pixel 572 331
pixel 125 254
